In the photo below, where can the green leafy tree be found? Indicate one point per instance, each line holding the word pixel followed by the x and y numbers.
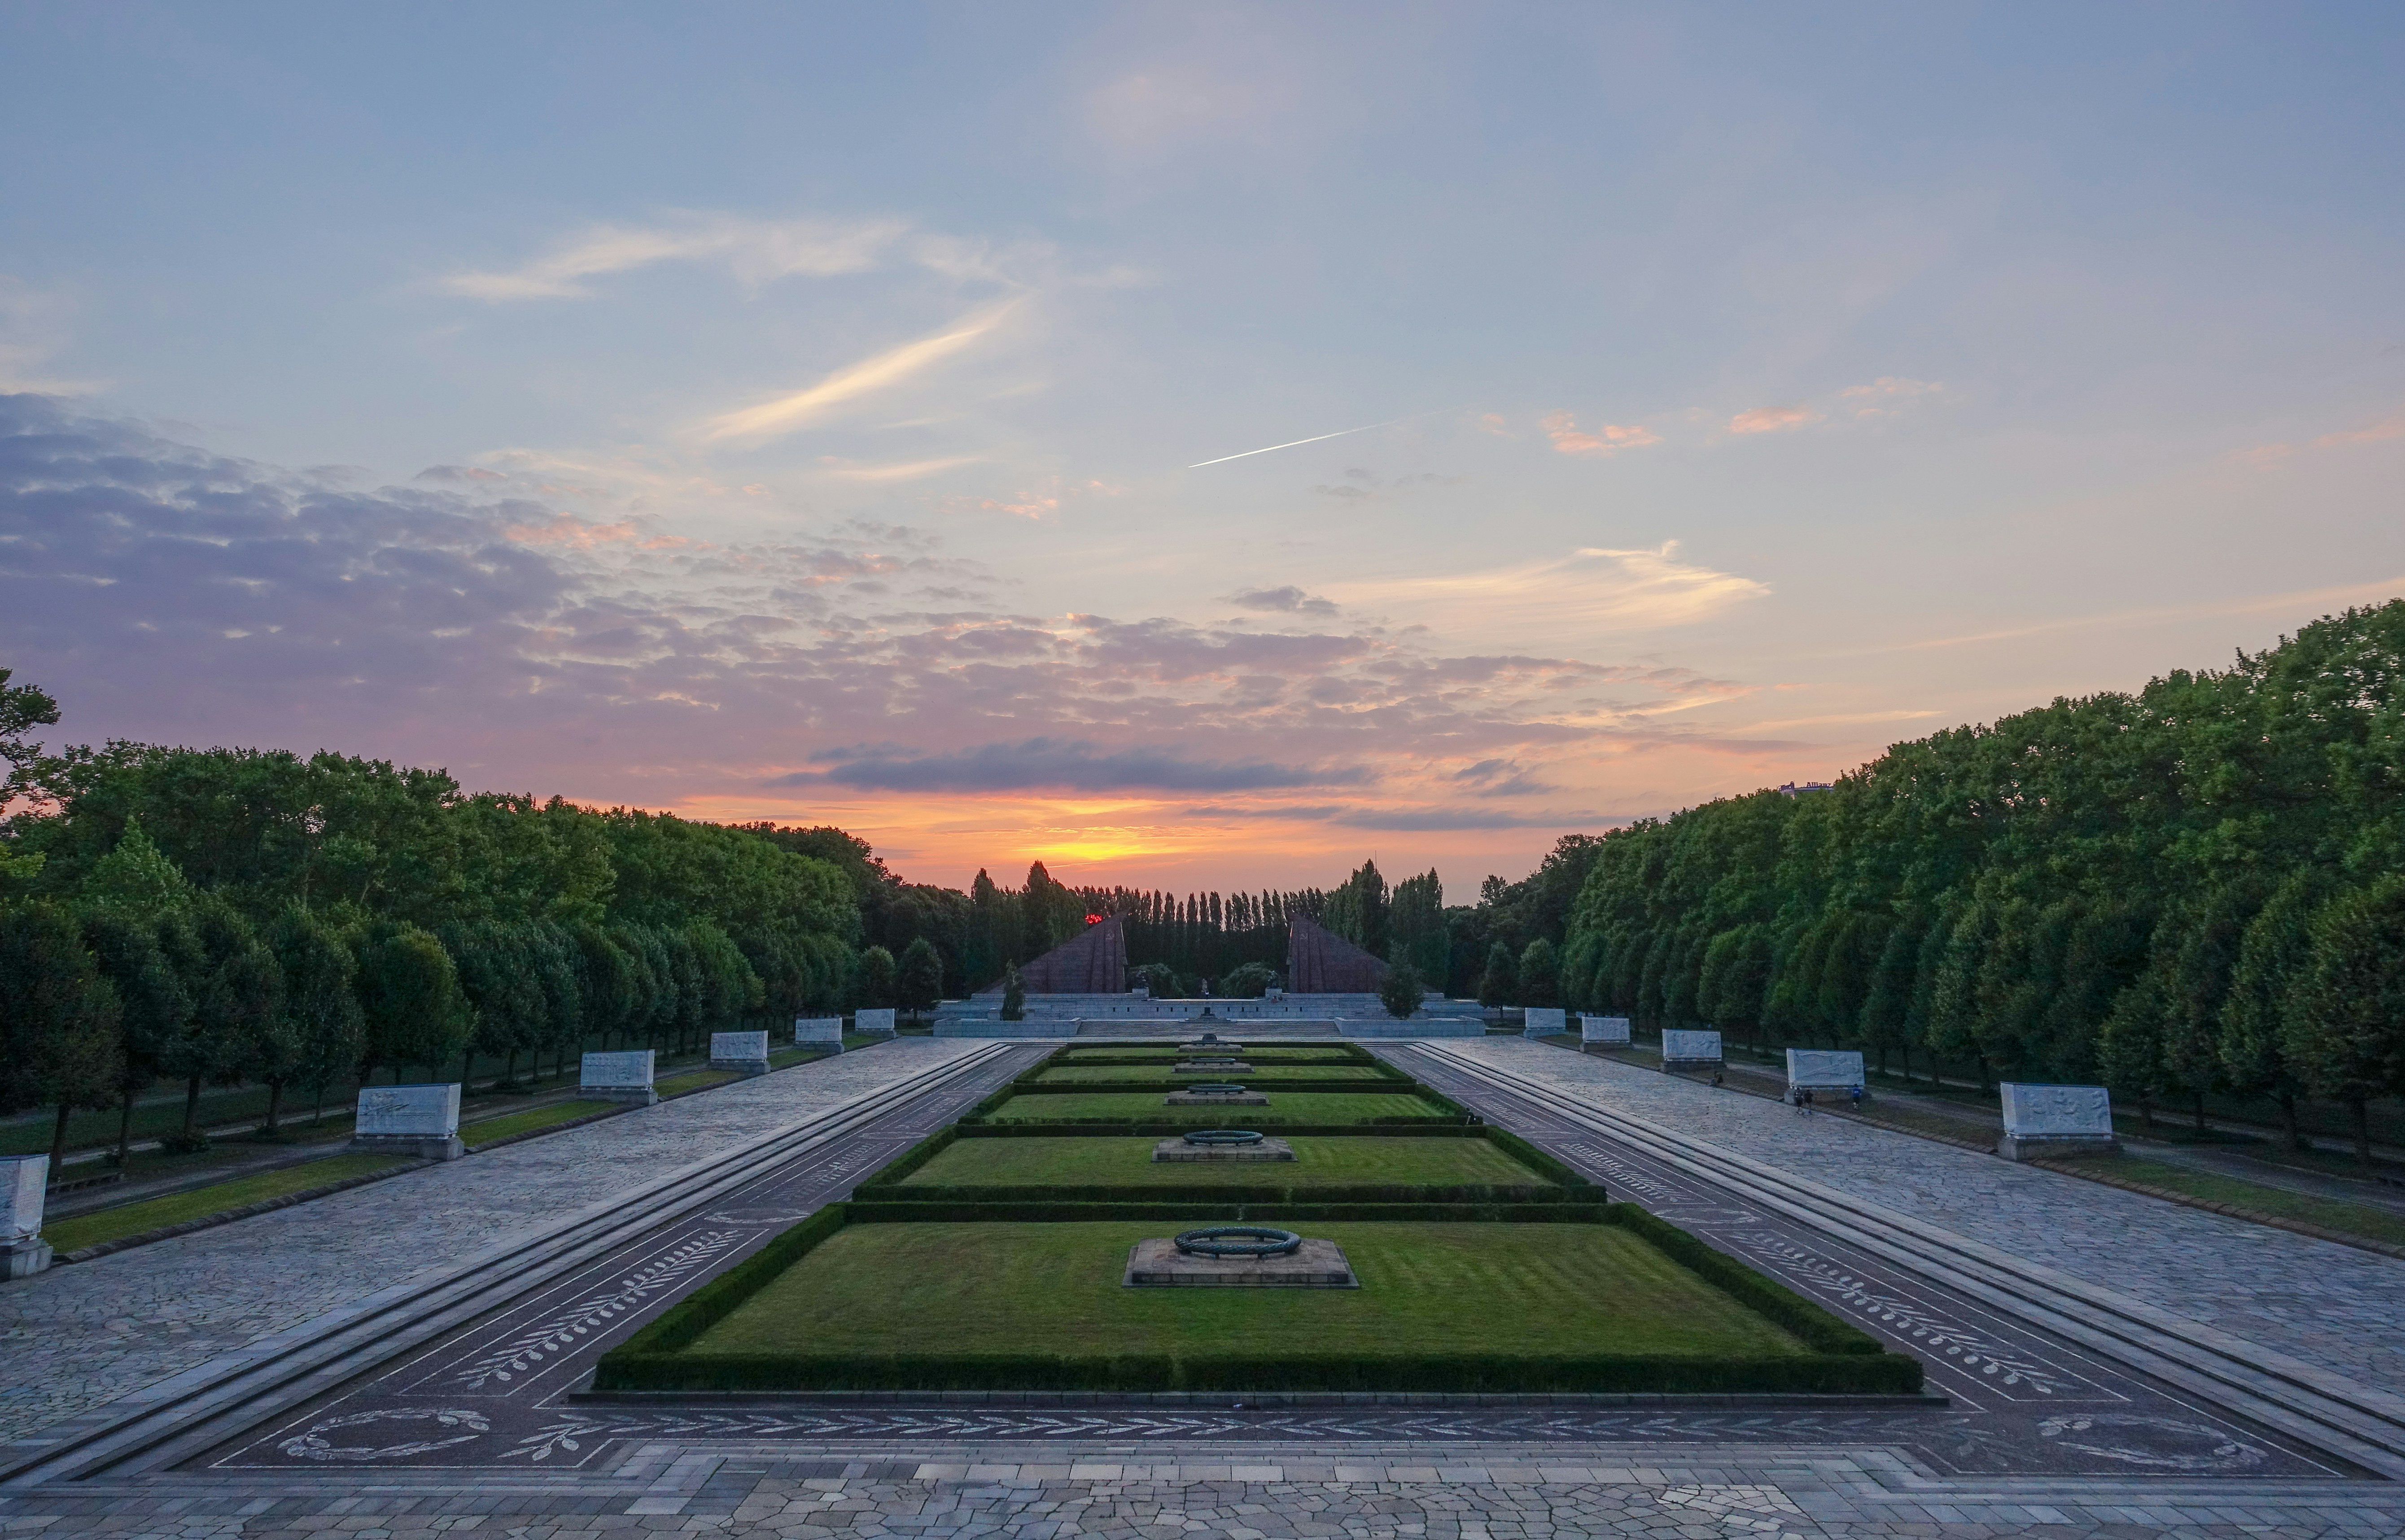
pixel 322 1028
pixel 2348 1033
pixel 155 1008
pixel 412 1008
pixel 1401 990
pixel 919 977
pixel 876 985
pixel 1540 974
pixel 60 1043
pixel 2275 958
pixel 1248 981
pixel 237 993
pixel 1500 984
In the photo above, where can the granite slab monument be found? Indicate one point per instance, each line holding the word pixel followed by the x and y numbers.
pixel 419 1120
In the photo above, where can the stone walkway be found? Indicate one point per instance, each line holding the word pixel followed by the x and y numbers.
pixel 2331 1306
pixel 76 1337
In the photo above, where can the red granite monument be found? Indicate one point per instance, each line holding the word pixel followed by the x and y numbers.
pixel 1093 962
pixel 1318 961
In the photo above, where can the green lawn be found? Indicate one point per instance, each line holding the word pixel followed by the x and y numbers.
pixel 1321 1107
pixel 1427 1288
pixel 693 1080
pixel 1263 1069
pixel 478 1135
pixel 2350 1218
pixel 1319 1161
pixel 67 1234
pixel 1168 1056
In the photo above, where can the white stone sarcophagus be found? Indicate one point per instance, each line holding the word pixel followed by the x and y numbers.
pixel 420 1120
pixel 1824 1070
pixel 746 1053
pixel 24 1184
pixel 818 1029
pixel 623 1076
pixel 1690 1047
pixel 878 1022
pixel 1543 1021
pixel 2048 1120
pixel 1608 1031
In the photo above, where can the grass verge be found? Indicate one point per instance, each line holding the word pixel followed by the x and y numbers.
pixel 94 1229
pixel 2358 1219
pixel 1088 1164
pixel 492 1129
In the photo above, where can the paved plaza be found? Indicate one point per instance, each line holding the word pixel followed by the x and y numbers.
pixel 76 1336
pixel 2040 1438
pixel 2332 1306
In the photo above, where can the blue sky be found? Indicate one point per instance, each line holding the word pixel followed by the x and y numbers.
pixel 788 412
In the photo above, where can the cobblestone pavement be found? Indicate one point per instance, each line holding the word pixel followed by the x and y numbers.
pixel 76 1336
pixel 1500 1493
pixel 2332 1306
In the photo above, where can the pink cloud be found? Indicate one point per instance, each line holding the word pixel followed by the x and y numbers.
pixel 1563 430
pixel 1772 419
pixel 2388 427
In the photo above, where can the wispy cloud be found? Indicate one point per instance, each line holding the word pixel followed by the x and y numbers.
pixel 907 471
pixel 1773 419
pixel 2388 428
pixel 1885 396
pixel 758 251
pixel 1588 589
pixel 1060 765
pixel 1563 430
pixel 34 327
pixel 1282 601
pixel 878 373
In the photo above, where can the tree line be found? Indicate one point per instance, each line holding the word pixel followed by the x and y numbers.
pixel 217 917
pixel 2191 890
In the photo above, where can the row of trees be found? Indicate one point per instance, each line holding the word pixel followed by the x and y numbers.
pixel 225 915
pixel 2191 890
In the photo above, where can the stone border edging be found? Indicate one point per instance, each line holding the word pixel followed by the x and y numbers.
pixel 209 1222
pixel 2253 1216
pixel 2271 1387
pixel 158 1423
pixel 1250 1400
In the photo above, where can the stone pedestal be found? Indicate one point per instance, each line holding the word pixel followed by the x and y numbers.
pixel 1215 1099
pixel 1160 1265
pixel 423 1146
pixel 415 1120
pixel 620 1077
pixel 1177 1150
pixel 2054 1146
pixel 745 1053
pixel 24 1258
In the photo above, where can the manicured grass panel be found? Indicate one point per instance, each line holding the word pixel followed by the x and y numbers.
pixel 1124 1127
pixel 1084 1164
pixel 1163 1086
pixel 1150 1074
pixel 91 1229
pixel 1189 1212
pixel 716 1299
pixel 1316 1107
pixel 1545 1295
pixel 1826 1332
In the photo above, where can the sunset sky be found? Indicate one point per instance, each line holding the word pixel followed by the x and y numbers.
pixel 807 413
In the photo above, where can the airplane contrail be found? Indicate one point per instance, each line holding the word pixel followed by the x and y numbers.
pixel 1247 453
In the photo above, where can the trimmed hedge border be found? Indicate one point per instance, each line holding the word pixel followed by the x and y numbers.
pixel 1266 1192
pixel 1847 1361
pixel 882 1211
pixel 1401 1086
